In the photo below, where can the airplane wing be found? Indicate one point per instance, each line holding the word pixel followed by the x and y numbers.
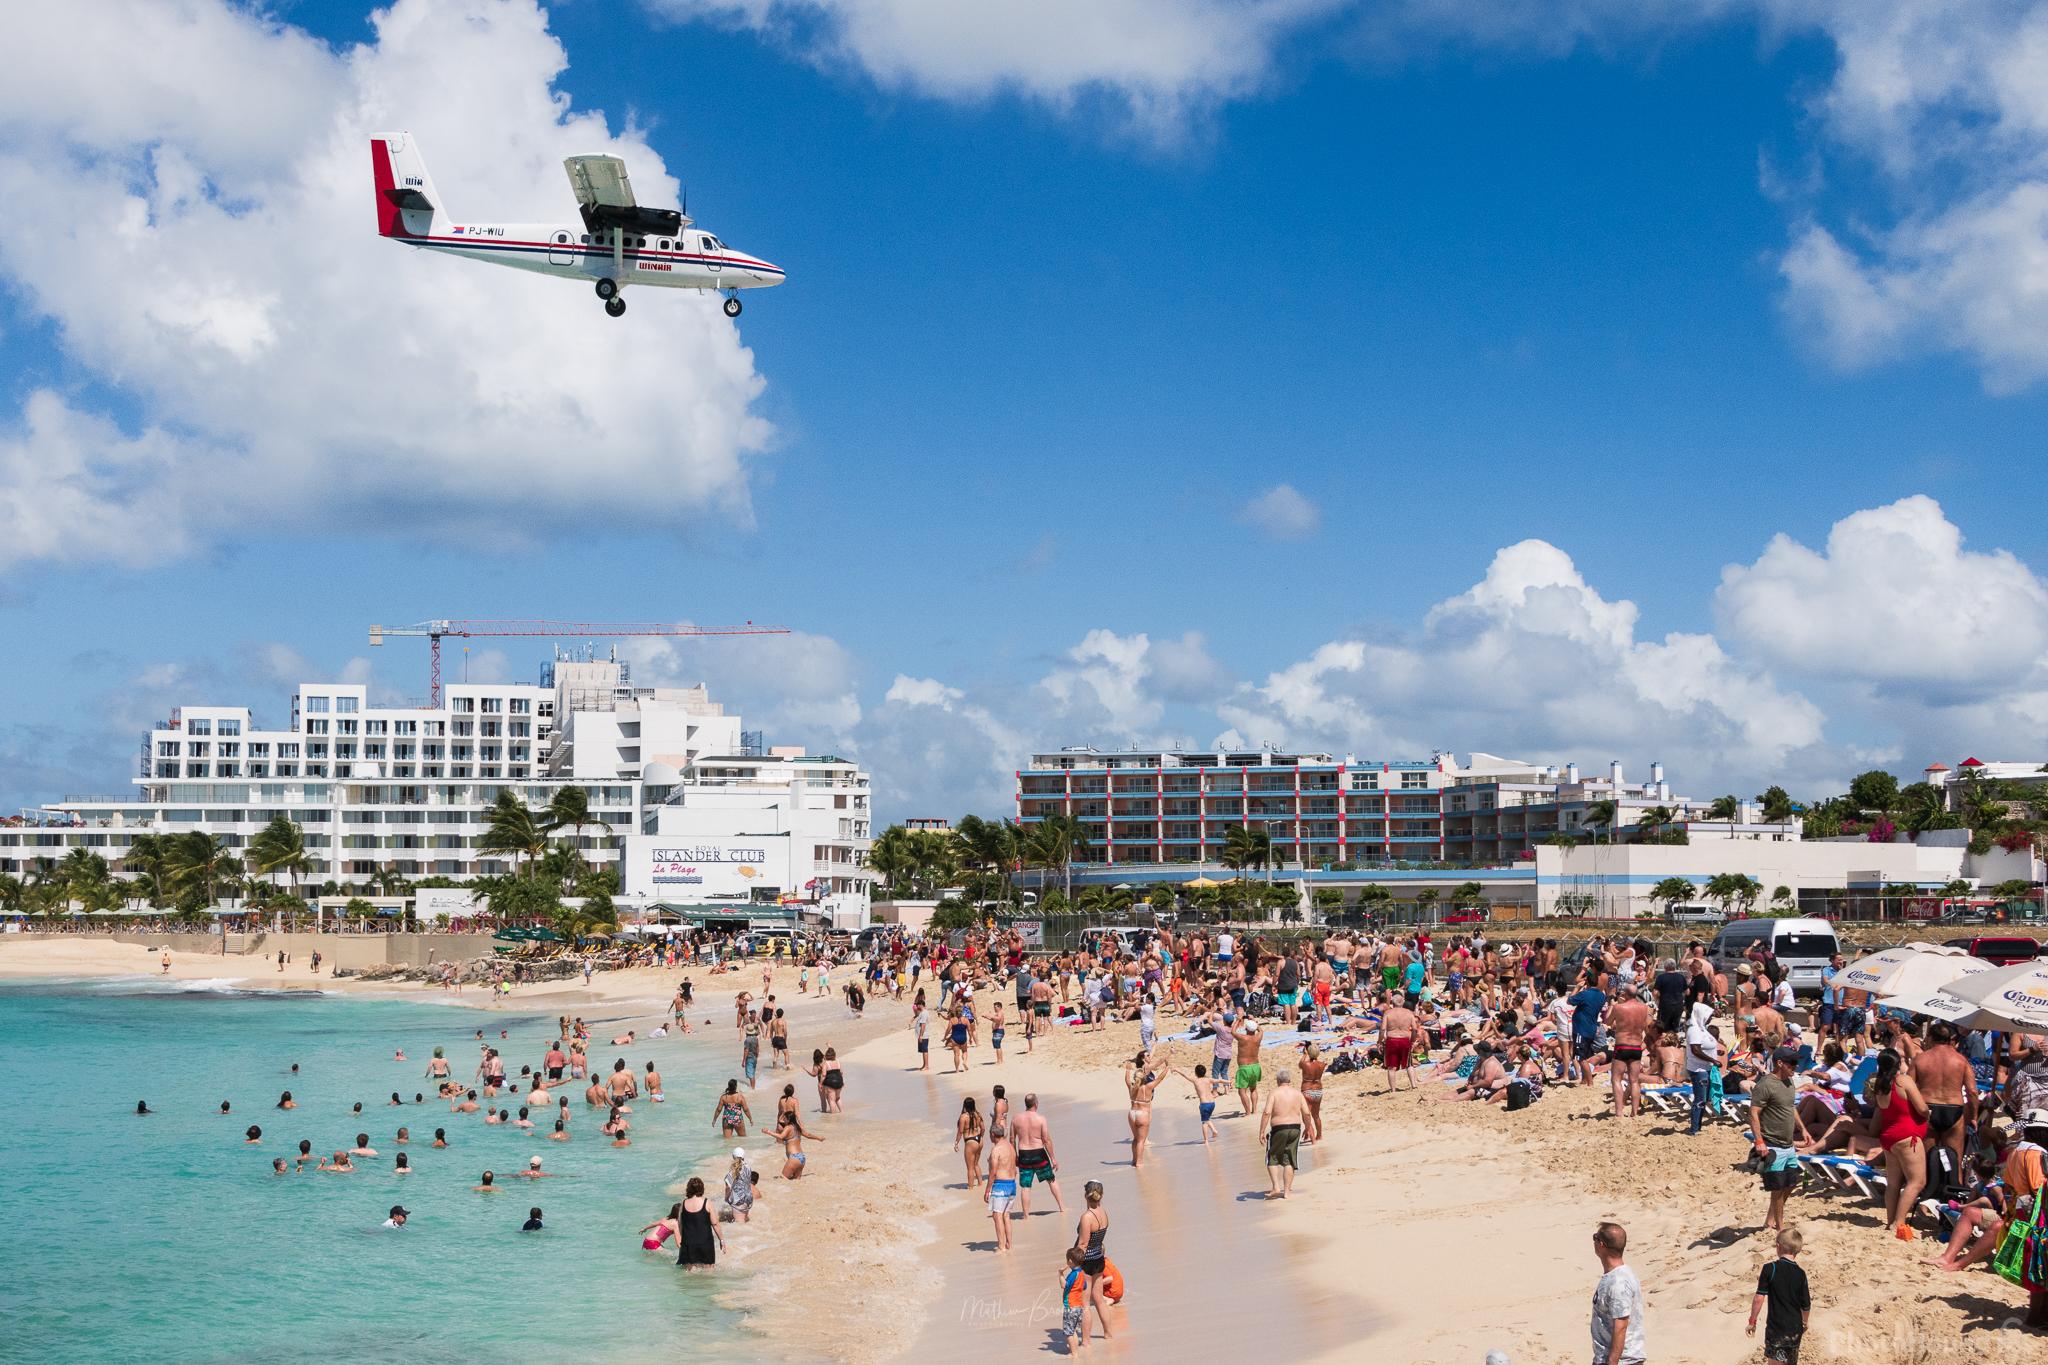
pixel 600 181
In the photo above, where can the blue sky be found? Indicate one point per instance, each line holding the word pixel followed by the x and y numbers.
pixel 1651 293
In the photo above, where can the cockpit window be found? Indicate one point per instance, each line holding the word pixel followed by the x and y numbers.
pixel 710 242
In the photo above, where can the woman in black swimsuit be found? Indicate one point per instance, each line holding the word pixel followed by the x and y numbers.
pixel 834 1081
pixel 698 1239
pixel 816 1071
pixel 1089 1235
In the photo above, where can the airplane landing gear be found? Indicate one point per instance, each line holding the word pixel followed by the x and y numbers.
pixel 732 306
pixel 615 305
pixel 607 289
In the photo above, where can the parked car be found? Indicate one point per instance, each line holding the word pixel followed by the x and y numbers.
pixel 1696 912
pixel 2002 949
pixel 1465 915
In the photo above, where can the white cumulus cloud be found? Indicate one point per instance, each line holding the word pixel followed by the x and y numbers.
pixel 192 211
pixel 1893 600
pixel 1282 513
pixel 1158 59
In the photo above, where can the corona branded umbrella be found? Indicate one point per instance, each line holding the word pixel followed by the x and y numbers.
pixel 1909 969
pixel 2016 996
pixel 1939 1004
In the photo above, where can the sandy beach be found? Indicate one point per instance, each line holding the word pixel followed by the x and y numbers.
pixel 1425 1232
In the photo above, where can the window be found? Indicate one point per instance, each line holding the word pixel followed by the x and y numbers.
pixel 1365 782
pixel 229 727
pixel 316 727
pixel 345 705
pixel 375 727
pixel 1413 781
pixel 316 705
pixel 664 244
pixel 199 727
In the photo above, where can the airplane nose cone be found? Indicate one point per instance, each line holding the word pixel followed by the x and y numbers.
pixel 768 274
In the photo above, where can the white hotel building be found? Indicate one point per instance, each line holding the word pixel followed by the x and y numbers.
pixel 408 789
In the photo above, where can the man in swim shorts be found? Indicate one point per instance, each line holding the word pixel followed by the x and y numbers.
pixel 1280 1128
pixel 1034 1156
pixel 1398 1027
pixel 1002 1183
pixel 1248 1071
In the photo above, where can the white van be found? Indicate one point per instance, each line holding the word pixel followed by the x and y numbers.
pixel 1697 912
pixel 1802 947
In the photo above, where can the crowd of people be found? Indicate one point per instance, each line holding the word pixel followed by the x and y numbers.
pixel 1960 1131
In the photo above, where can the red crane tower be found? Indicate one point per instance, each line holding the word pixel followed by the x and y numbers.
pixel 585 630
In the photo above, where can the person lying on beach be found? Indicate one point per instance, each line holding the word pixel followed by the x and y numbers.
pixel 1488 1079
pixel 624 1039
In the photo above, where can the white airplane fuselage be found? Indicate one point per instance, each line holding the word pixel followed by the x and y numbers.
pixel 691 259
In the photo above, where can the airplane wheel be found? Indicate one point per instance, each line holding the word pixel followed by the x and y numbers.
pixel 732 308
pixel 615 306
pixel 607 289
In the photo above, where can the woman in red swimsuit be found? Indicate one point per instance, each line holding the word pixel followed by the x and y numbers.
pixel 1901 1130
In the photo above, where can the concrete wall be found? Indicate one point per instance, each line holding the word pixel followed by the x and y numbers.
pixel 1620 876
pixel 343 950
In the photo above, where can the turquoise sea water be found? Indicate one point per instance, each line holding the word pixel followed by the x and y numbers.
pixel 165 1238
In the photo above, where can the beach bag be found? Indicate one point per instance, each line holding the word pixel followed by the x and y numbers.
pixel 1944 1175
pixel 1715 1094
pixel 2022 1257
pixel 1519 1096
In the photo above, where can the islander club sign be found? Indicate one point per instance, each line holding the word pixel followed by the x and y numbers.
pixel 710 867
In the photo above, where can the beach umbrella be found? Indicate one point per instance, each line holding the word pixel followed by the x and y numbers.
pixel 2016 995
pixel 1909 969
pixel 1204 881
pixel 1953 1009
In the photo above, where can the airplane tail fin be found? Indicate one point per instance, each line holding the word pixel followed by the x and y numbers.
pixel 408 205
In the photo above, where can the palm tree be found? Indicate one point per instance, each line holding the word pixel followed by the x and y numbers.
pixel 12 890
pixel 934 861
pixel 197 864
pixel 82 868
pixel 570 810
pixel 889 857
pixel 279 846
pixel 1425 901
pixel 1724 808
pixel 1603 814
pixel 1247 846
pixel 1671 891
pixel 994 847
pixel 1372 897
pixel 147 858
pixel 388 881
pixel 1651 821
pixel 1776 804
pixel 513 829
pixel 561 864
pixel 1054 842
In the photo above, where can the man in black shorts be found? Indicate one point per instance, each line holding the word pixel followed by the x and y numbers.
pixel 1670 985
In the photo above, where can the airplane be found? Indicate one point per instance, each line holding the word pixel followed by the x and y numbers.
pixel 618 242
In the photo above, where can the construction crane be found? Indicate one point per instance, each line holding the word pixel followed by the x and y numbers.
pixel 433 631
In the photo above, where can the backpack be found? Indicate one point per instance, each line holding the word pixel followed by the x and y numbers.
pixel 1520 1095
